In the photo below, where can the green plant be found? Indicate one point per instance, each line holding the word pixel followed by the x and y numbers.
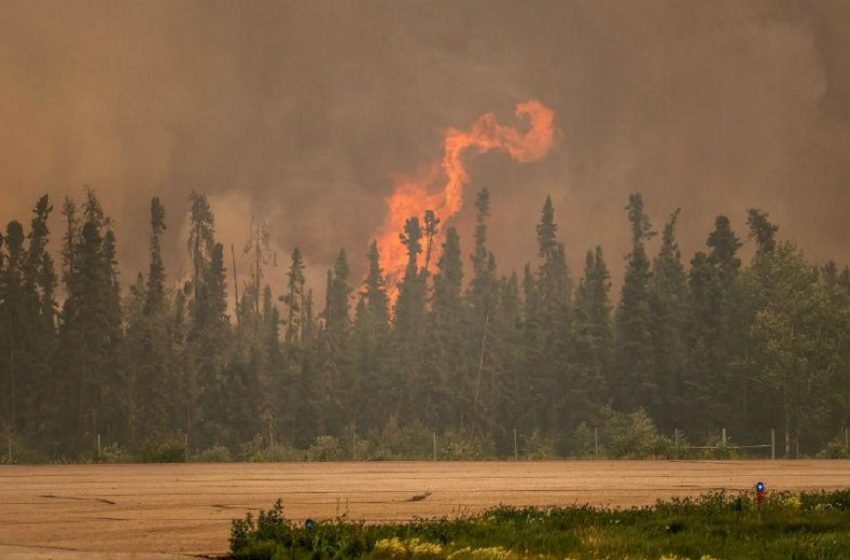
pixel 836 448
pixel 717 525
pixel 214 454
pixel 164 449
pixel 540 446
pixel 325 448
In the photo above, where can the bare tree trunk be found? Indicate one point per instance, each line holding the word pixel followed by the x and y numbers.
pixel 235 285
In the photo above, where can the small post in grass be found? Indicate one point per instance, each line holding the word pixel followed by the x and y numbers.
pixel 186 447
pixel 516 449
pixel 98 448
pixel 759 493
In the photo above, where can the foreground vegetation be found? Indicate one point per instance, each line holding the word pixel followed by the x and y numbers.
pixel 714 526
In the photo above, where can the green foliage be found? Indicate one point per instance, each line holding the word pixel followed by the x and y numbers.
pixel 214 454
pixel 325 448
pixel 583 441
pixel 540 446
pixel 454 446
pixel 729 526
pixel 472 356
pixel 168 449
pixel 836 448
pixel 634 436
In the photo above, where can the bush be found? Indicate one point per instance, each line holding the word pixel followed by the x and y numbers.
pixel 167 449
pixel 255 452
pixel 715 440
pixel 634 436
pixel 395 442
pixel 113 454
pixel 455 446
pixel 583 442
pixel 540 446
pixel 214 454
pixel 835 449
pixel 325 448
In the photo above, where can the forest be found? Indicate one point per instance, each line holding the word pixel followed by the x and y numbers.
pixel 484 363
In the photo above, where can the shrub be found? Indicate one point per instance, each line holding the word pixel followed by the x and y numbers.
pixel 166 449
pixel 455 446
pixel 214 454
pixel 715 440
pixel 540 446
pixel 113 454
pixel 256 452
pixel 325 448
pixel 835 449
pixel 583 442
pixel 634 436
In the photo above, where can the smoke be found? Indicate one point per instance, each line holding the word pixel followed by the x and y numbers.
pixel 308 110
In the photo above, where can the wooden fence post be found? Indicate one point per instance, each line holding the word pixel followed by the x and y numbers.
pixel 435 446
pixel 596 443
pixel 773 443
pixel 516 448
pixel 676 442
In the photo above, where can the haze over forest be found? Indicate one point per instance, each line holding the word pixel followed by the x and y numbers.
pixel 653 239
pixel 306 112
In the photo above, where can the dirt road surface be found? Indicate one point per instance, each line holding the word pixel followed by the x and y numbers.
pixel 125 512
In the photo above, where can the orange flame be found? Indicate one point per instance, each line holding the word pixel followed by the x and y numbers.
pixel 412 197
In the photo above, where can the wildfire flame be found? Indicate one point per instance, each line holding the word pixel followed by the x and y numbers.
pixel 413 196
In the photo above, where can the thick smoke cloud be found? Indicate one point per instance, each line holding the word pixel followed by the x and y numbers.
pixel 305 111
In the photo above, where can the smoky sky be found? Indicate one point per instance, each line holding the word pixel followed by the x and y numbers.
pixel 305 112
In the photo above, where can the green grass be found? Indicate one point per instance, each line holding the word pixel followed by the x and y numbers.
pixel 812 526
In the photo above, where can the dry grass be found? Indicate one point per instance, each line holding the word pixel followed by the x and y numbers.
pixel 187 508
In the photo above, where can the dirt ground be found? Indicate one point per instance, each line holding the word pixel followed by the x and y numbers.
pixel 125 512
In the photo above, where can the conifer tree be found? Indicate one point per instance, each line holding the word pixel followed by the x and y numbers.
pixel 713 386
pixel 150 343
pixel 669 299
pixel 447 390
pixel 376 393
pixel 593 336
pixel 409 315
pixel 334 340
pixel 634 383
pixel 91 331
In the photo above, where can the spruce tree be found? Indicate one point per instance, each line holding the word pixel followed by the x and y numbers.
pixel 408 323
pixel 669 299
pixel 634 383
pixel 448 393
pixel 593 337
pixel 375 393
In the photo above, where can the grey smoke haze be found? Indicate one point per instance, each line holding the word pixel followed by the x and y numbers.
pixel 305 111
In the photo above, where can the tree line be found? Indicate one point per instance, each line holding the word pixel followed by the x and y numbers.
pixel 479 357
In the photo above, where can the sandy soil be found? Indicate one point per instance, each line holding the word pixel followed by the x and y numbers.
pixel 126 512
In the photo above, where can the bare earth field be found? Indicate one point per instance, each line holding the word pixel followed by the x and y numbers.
pixel 172 511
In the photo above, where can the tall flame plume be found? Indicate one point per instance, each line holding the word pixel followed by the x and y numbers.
pixel 439 187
